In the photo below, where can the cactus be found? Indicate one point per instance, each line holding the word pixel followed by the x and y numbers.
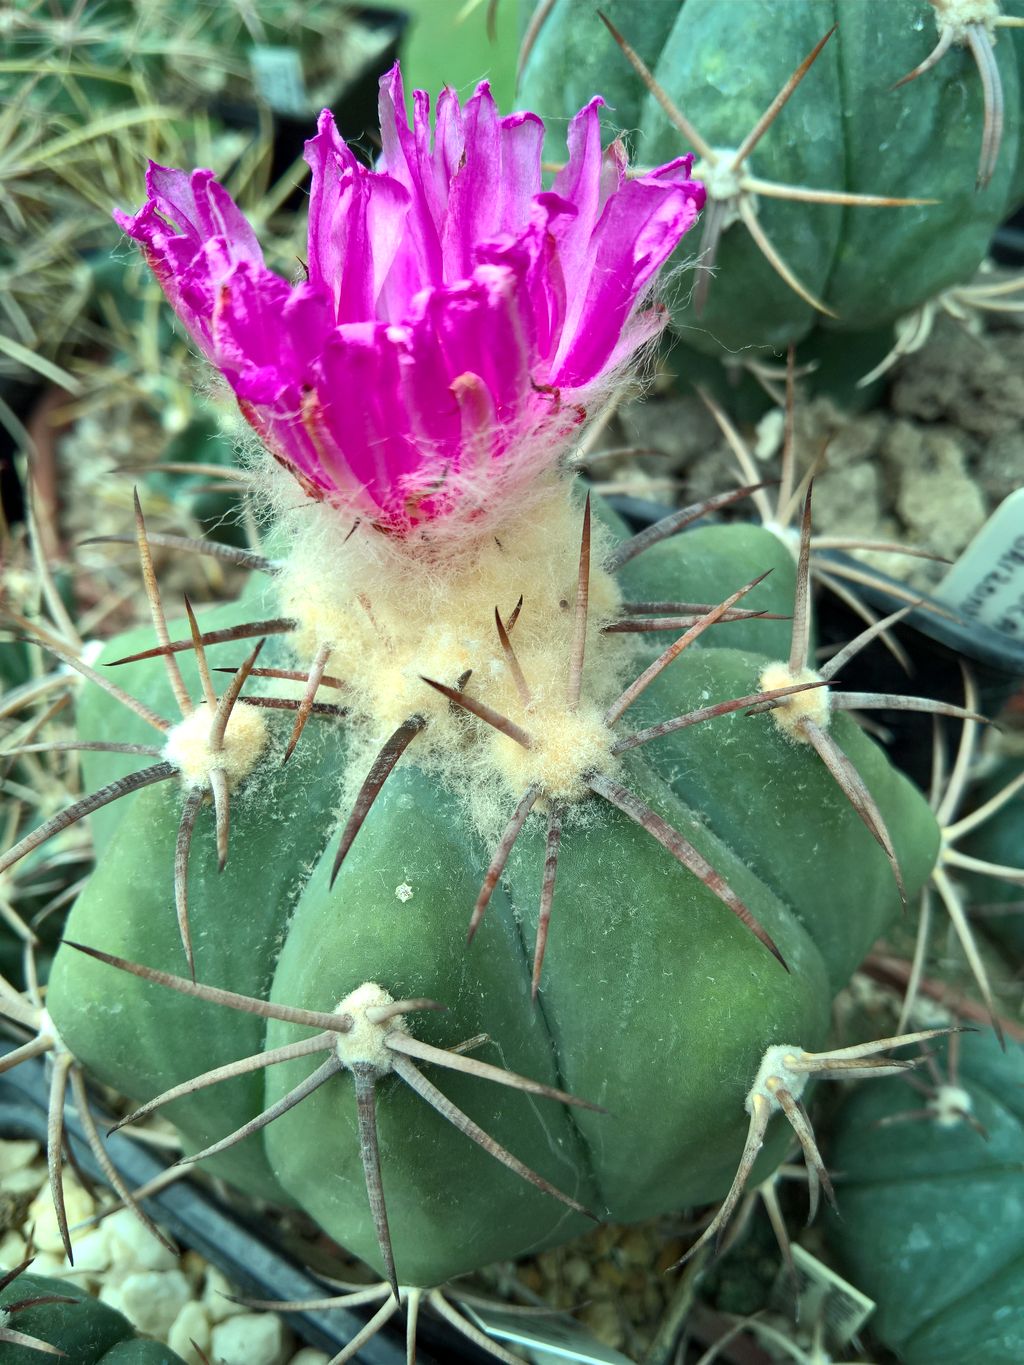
pixel 419 836
pixel 930 1203
pixel 844 577
pixel 43 1318
pixel 805 146
pixel 667 860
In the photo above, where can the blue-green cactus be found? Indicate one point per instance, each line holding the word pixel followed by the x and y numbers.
pixel 789 244
pixel 655 1002
pixel 931 1193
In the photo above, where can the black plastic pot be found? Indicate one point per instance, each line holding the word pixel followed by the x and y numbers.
pixel 939 643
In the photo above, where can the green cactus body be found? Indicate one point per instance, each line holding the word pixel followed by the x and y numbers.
pixel 86 1331
pixel 844 129
pixel 931 1221
pixel 655 1001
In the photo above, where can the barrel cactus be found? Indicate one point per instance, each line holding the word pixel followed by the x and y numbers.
pixel 453 725
pixel 833 195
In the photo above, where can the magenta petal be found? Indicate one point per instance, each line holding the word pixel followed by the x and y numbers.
pixel 494 185
pixel 328 159
pixel 406 158
pixel 580 179
pixel 456 318
pixel 245 332
pixel 356 225
pixel 483 328
pixel 638 231
pixel 358 392
pixel 202 209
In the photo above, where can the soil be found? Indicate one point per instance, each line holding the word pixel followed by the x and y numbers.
pixel 926 470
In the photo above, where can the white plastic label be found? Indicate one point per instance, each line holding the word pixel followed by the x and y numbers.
pixel 551 1338
pixel 277 76
pixel 986 584
pixel 821 1296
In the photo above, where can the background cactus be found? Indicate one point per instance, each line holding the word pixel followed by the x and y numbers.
pixel 931 1195
pixel 844 132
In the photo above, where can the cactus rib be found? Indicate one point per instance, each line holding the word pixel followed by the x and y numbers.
pixel 734 196
pixel 381 768
pixel 364 1039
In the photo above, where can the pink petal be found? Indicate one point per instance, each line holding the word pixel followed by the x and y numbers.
pixel 202 209
pixel 638 230
pixel 406 158
pixel 364 422
pixel 494 185
pixel 483 328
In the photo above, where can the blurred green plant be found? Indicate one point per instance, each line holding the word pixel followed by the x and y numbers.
pixel 42 1317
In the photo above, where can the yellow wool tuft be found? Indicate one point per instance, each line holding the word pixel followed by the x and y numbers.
pixel 801 706
pixel 959 16
pixel 396 612
pixel 364 1044
pixel 566 745
pixel 188 745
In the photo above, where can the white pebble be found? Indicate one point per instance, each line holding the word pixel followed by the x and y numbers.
pixel 25 1180
pixel 12 1249
pixel 152 1299
pixel 309 1356
pixel 16 1155
pixel 252 1339
pixel 92 1252
pixel 133 1246
pixel 78 1204
pixel 218 1308
pixel 47 1263
pixel 112 1295
pixel 191 1325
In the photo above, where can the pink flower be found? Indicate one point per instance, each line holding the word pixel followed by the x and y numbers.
pixel 456 319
